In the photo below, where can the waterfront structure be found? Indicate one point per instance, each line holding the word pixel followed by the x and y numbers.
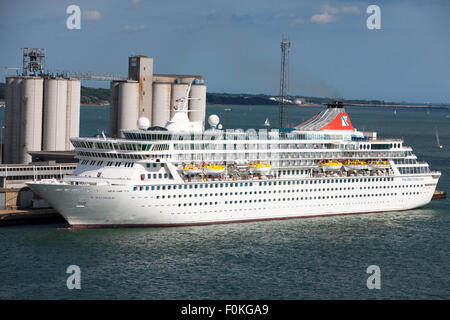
pixel 152 96
pixel 43 109
pixel 15 175
pixel 181 174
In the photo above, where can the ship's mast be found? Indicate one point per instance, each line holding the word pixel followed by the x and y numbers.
pixel 283 116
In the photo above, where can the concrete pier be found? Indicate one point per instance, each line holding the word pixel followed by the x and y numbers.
pixel 30 216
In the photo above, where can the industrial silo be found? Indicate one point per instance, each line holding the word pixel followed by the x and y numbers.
pixel 9 109
pixel 113 108
pixel 31 118
pixel 72 111
pixel 197 104
pixel 55 101
pixel 128 110
pixel 16 120
pixel 161 103
pixel 179 90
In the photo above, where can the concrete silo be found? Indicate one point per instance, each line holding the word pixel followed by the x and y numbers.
pixel 197 106
pixel 113 108
pixel 128 106
pixel 55 106
pixel 16 120
pixel 9 109
pixel 31 118
pixel 161 103
pixel 72 111
pixel 179 90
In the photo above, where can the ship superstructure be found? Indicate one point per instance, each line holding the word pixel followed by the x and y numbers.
pixel 181 174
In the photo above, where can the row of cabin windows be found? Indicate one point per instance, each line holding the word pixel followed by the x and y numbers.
pixel 284 172
pixel 313 198
pixel 108 163
pixel 142 188
pixel 120 146
pixel 174 187
pixel 297 198
pixel 152 165
pixel 155 176
pixel 410 170
pixel 405 161
pixel 115 155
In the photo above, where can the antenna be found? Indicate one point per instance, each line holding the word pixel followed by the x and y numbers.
pixel 283 116
pixel 181 103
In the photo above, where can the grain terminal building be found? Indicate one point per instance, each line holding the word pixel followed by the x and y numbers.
pixel 43 109
pixel 42 113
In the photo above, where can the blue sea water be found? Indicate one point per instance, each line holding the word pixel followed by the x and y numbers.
pixel 314 258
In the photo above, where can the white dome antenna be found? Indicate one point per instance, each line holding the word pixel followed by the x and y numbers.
pixel 143 123
pixel 213 120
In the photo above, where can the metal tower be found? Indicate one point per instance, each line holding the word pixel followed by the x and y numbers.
pixel 33 60
pixel 283 116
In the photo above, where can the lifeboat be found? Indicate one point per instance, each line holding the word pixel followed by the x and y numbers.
pixel 261 168
pixel 378 164
pixel 331 165
pixel 191 170
pixel 356 164
pixel 213 169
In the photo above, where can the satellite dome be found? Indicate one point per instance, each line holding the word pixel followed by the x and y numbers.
pixel 213 120
pixel 143 123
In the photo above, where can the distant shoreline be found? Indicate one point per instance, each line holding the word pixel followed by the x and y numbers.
pixel 305 105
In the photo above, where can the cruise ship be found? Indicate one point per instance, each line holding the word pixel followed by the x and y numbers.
pixel 183 174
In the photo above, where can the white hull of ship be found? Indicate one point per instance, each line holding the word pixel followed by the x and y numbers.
pixel 120 206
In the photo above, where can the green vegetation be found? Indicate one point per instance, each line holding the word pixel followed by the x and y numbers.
pixel 100 96
pixel 94 96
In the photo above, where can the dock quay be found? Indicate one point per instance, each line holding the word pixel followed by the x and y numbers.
pixel 29 216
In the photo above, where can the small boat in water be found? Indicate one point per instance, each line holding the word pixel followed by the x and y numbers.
pixel 267 123
pixel 331 165
pixel 437 139
pixel 213 169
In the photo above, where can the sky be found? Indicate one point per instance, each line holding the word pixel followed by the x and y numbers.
pixel 235 44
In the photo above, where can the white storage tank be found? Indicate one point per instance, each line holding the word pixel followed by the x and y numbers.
pixel 31 118
pixel 179 90
pixel 161 103
pixel 16 120
pixel 113 108
pixel 72 111
pixel 197 106
pixel 9 108
pixel 128 107
pixel 55 106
